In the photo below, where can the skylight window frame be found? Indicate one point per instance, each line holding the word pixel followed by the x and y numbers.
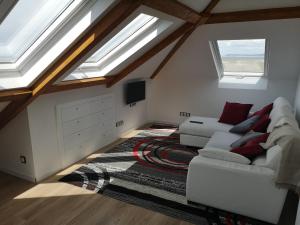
pixel 117 50
pixel 123 37
pixel 43 38
pixel 164 25
pixel 238 75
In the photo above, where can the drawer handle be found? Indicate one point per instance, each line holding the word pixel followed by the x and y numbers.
pixel 78 134
pixel 76 108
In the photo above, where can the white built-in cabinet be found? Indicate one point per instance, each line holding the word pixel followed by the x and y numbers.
pixel 85 126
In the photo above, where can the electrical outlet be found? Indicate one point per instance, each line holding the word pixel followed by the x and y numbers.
pixel 119 123
pixel 23 159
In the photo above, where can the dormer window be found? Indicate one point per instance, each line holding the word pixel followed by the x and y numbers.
pixel 239 60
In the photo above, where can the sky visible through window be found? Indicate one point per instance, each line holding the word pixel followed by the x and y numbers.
pixel 242 57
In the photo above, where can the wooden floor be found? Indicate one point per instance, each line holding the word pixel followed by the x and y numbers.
pixel 55 203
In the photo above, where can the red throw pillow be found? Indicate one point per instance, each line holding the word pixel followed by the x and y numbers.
pixel 260 139
pixel 262 124
pixel 265 110
pixel 234 113
pixel 250 151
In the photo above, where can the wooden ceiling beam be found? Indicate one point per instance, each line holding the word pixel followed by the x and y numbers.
pixel 12 110
pixel 97 32
pixel 201 21
pixel 150 53
pixel 80 83
pixel 255 15
pixel 174 8
pixel 15 94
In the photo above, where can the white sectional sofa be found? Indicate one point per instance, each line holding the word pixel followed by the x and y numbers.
pixel 245 189
pixel 198 134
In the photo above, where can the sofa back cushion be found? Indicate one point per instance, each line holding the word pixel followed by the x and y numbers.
pixel 271 159
pixel 279 133
pixel 277 114
pixel 234 113
pixel 280 102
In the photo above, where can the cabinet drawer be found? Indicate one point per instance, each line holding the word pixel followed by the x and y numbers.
pixel 88 134
pixel 75 111
pixel 79 124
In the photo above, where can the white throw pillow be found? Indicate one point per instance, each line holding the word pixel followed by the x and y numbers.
pixel 271 160
pixel 222 154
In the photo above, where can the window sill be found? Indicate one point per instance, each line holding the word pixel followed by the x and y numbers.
pixel 255 83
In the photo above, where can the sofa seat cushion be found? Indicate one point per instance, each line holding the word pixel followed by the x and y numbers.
pixel 206 129
pixel 222 140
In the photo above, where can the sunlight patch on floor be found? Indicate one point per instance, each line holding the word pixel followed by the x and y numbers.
pixel 46 190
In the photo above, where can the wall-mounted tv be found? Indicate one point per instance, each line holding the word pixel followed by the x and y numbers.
pixel 135 91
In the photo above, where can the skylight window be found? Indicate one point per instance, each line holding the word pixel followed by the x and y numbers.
pixel 134 36
pixel 139 24
pixel 25 24
pixel 240 58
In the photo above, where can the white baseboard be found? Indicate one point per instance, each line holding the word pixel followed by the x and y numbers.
pixel 19 175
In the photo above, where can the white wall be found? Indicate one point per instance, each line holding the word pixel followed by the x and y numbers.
pixel 33 133
pixel 42 117
pixel 15 141
pixel 189 82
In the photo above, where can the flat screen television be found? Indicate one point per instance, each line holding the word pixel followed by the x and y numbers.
pixel 135 91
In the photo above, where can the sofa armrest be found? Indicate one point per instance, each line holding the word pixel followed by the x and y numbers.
pixel 232 167
pixel 243 189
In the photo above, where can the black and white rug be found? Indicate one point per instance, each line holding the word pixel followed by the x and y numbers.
pixel 150 170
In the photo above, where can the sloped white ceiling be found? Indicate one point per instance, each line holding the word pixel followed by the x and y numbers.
pixel 240 5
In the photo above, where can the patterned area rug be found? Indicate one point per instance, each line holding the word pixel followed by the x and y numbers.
pixel 150 170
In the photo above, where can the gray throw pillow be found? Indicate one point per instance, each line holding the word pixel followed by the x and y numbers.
pixel 247 137
pixel 244 126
